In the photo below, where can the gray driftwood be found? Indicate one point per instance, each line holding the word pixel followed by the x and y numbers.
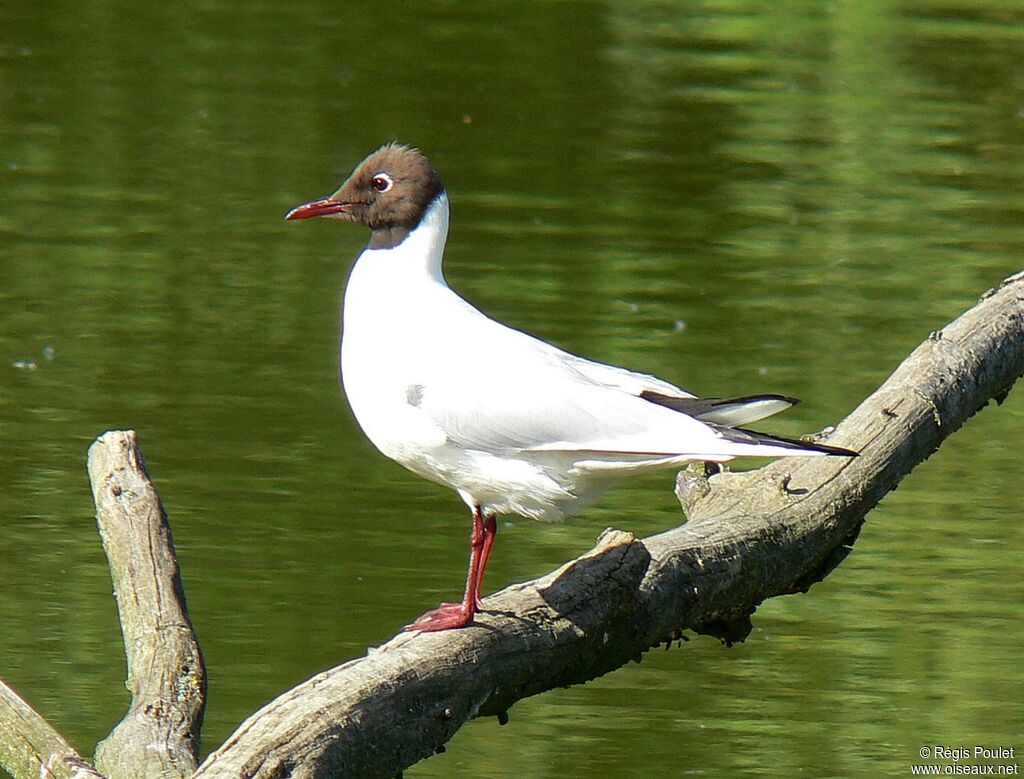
pixel 159 736
pixel 750 536
pixel 30 747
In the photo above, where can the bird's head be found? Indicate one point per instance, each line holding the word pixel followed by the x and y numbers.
pixel 388 192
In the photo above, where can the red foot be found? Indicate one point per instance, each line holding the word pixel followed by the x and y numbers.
pixel 457 615
pixel 445 617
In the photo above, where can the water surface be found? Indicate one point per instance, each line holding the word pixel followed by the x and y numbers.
pixel 740 198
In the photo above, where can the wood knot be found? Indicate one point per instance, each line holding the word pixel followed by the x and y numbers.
pixel 786 489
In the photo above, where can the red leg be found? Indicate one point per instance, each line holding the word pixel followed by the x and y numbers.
pixel 490 532
pixel 457 615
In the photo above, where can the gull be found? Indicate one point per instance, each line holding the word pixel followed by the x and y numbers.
pixel 514 424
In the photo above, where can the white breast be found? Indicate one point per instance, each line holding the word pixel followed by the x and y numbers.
pixel 387 297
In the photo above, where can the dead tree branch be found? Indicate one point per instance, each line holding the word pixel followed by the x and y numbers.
pixel 750 536
pixel 30 747
pixel 159 736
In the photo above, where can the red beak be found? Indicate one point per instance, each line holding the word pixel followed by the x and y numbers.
pixel 322 206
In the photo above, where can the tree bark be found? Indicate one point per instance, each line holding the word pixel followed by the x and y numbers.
pixel 30 747
pixel 750 536
pixel 159 736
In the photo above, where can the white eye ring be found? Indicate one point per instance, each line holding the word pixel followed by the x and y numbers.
pixel 382 182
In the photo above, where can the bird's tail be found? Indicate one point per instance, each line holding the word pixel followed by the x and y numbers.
pixel 726 415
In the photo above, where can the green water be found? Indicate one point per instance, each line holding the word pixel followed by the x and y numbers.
pixel 753 197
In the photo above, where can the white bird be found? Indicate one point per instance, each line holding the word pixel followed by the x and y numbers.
pixel 513 424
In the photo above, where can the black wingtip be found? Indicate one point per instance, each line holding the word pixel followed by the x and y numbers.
pixel 798 443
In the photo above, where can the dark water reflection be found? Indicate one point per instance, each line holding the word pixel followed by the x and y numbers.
pixel 778 198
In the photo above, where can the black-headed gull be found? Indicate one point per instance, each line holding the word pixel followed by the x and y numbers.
pixel 512 423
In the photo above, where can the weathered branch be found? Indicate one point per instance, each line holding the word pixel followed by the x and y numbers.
pixel 30 747
pixel 803 516
pixel 750 536
pixel 159 736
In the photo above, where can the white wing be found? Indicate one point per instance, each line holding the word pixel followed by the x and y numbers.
pixel 499 390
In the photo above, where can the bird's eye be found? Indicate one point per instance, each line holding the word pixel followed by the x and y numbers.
pixel 382 182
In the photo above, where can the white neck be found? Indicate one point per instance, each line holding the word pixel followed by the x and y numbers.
pixel 389 286
pixel 422 250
